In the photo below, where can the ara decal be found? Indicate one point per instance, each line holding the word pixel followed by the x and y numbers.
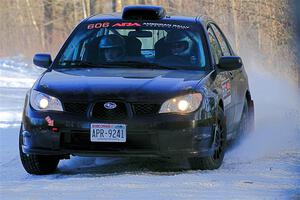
pixel 126 24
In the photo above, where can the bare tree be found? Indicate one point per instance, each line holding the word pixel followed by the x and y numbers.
pixel 261 25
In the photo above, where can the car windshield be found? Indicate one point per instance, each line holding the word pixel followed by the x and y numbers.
pixel 170 45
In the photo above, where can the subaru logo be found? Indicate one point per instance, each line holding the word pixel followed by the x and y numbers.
pixel 110 105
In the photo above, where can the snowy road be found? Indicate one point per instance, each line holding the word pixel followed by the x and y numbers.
pixel 265 165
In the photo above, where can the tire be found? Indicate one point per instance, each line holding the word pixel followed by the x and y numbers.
pixel 251 116
pixel 247 119
pixel 214 161
pixel 37 164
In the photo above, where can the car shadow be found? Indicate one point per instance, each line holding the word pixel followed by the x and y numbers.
pixel 126 166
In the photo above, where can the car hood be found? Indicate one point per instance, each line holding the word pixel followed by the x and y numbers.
pixel 130 84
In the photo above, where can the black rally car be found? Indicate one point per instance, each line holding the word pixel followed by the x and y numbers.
pixel 139 83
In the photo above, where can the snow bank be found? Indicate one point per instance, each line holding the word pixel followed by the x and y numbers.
pixel 10 119
pixel 15 72
pixel 16 77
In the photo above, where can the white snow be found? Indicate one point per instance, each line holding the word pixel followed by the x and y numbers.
pixel 14 72
pixel 265 165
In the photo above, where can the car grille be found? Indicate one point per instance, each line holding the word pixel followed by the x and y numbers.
pixel 120 112
pixel 76 108
pixel 145 109
pixel 100 112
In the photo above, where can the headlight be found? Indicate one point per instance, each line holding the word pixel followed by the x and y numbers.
pixel 183 104
pixel 43 102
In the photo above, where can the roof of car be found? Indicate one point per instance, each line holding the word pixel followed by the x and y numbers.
pixel 118 16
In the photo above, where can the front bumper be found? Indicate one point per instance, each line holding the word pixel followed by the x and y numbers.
pixel 162 135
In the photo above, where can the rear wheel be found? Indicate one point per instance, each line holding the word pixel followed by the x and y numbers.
pixel 247 119
pixel 244 123
pixel 214 161
pixel 37 164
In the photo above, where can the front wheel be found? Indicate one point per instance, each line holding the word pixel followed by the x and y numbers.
pixel 37 164
pixel 214 161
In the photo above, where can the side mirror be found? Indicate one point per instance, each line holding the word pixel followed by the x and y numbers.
pixel 228 63
pixel 42 60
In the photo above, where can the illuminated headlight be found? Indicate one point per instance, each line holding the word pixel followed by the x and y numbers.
pixel 43 102
pixel 182 104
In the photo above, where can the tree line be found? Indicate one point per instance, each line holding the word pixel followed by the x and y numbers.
pixel 260 29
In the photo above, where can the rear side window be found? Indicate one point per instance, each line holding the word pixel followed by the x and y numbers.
pixel 216 49
pixel 222 41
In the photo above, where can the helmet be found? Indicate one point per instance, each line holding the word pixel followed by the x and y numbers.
pixel 180 43
pixel 113 46
pixel 111 41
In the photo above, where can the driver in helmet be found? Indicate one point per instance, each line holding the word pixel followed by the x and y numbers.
pixel 181 46
pixel 113 47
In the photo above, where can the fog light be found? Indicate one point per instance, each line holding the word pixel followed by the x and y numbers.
pixel 55 129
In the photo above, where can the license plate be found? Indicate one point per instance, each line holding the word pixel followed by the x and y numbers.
pixel 108 133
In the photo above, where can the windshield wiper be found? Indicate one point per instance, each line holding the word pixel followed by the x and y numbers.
pixel 127 64
pixel 138 64
pixel 80 63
